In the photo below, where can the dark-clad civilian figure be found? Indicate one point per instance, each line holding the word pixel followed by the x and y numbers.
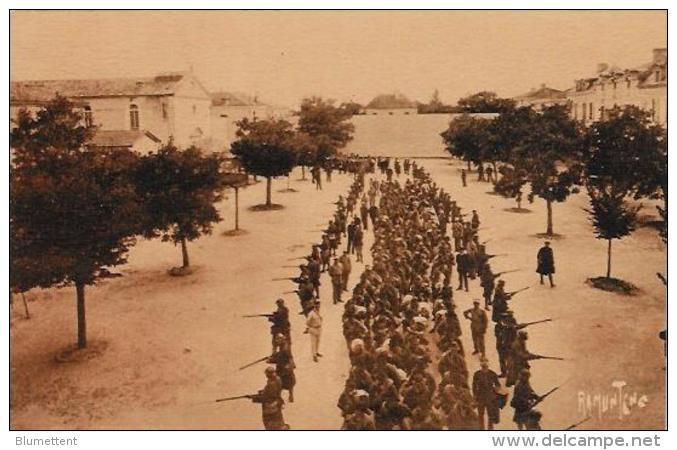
pixel 545 260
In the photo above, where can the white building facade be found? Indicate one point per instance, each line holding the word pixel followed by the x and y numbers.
pixel 645 87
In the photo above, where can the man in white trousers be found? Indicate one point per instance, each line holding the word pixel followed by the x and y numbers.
pixel 314 328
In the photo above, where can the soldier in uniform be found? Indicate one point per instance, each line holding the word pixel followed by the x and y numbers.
pixel 478 326
pixel 518 358
pixel 500 303
pixel 358 241
pixel 464 177
pixel 284 365
pixel 351 236
pixel 475 221
pixel 462 267
pixel 271 402
pixel 487 282
pixel 336 274
pixel 362 418
pixel 364 213
pixel 484 385
pixel 280 322
pixel 523 400
pixel 347 268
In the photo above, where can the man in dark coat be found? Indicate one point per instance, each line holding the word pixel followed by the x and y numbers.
pixel 462 267
pixel 484 385
pixel 546 262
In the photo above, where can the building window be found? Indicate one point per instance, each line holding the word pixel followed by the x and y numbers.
pixel 164 111
pixel 88 117
pixel 133 117
pixel 628 84
pixel 658 76
pixel 590 116
pixel 575 110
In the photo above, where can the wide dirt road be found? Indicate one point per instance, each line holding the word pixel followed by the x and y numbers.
pixel 174 344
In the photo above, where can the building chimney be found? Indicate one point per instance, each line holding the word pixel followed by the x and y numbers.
pixel 660 55
pixel 601 67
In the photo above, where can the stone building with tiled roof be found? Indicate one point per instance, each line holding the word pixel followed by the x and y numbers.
pixel 171 105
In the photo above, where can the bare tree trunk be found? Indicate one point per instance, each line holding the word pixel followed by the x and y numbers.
pixel 493 163
pixel 469 167
pixel 303 172
pixel 23 297
pixel 184 252
pixel 268 194
pixel 549 231
pixel 608 261
pixel 237 209
pixel 82 322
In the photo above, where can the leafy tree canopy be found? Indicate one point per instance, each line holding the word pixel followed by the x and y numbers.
pixel 485 102
pixel 265 147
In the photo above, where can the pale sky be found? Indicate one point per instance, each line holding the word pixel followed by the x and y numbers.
pixel 286 55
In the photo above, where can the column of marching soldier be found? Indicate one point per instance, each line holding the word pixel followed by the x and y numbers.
pixel 399 307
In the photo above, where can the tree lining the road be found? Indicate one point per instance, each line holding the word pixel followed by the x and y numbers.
pixel 73 211
pixel 179 190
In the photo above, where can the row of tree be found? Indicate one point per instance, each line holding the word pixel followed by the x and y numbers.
pixel 76 211
pixel 553 156
pixel 273 147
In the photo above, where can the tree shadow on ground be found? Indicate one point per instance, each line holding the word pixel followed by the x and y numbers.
pixel 614 285
pixel 73 354
pixel 518 210
pixel 550 237
pixel 264 207
pixel 231 233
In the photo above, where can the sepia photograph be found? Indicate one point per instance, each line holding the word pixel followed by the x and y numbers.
pixel 384 220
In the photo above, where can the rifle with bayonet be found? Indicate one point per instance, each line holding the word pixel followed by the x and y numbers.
pixel 544 396
pixel 571 427
pixel 526 324
pixel 295 291
pixel 294 279
pixel 555 358
pixel 237 397
pixel 511 294
pixel 247 316
pixel 496 275
pixel 260 360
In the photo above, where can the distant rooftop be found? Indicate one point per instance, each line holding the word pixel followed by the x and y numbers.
pixel 542 92
pixel 233 99
pixel 120 138
pixel 44 90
